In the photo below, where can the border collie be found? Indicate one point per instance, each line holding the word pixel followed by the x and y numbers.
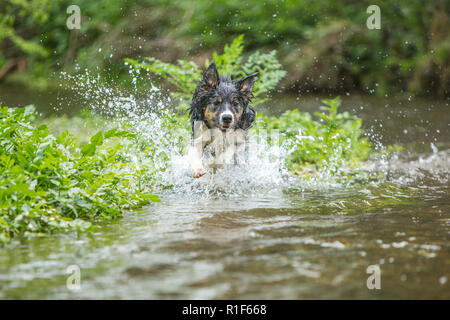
pixel 221 117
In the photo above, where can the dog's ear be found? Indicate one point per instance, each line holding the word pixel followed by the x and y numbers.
pixel 246 85
pixel 247 119
pixel 211 77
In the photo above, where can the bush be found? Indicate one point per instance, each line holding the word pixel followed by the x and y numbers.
pixel 51 183
pixel 331 143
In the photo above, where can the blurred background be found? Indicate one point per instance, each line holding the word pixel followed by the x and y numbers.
pixel 324 45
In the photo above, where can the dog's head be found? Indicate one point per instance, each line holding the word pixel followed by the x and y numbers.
pixel 221 102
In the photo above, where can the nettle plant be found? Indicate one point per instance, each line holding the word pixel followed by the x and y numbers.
pixel 186 74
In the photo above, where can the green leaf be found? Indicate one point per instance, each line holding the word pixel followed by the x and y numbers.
pixel 89 149
pixel 150 197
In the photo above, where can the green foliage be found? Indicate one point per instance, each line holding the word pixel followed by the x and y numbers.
pixel 330 143
pixel 270 73
pixel 186 75
pixel 229 62
pixel 53 182
pixel 324 44
pixel 14 11
pixel 50 183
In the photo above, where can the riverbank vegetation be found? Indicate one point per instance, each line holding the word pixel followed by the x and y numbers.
pixel 51 183
pixel 53 180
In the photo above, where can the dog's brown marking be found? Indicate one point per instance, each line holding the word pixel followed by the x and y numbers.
pixel 209 116
pixel 238 109
pixel 239 113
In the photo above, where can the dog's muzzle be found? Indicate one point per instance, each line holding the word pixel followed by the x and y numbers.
pixel 226 120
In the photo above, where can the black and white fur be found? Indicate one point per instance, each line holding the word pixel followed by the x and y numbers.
pixel 221 117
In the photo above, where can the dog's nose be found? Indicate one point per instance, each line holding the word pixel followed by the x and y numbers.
pixel 227 118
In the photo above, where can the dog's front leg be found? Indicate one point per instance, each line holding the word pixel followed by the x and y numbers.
pixel 195 152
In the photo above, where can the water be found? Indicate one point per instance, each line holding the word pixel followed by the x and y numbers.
pixel 253 233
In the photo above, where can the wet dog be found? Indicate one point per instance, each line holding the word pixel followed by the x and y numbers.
pixel 221 117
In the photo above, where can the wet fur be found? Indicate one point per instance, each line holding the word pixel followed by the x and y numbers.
pixel 199 111
pixel 215 96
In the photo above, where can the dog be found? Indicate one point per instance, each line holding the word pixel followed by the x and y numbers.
pixel 221 117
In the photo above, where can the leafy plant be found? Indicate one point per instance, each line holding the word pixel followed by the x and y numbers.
pixel 186 75
pixel 335 140
pixel 13 12
pixel 50 183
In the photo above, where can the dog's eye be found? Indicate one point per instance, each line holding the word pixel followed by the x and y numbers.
pixel 214 106
pixel 235 103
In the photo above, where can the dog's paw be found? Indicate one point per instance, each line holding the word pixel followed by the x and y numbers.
pixel 197 173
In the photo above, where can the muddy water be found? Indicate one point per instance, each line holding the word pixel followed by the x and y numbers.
pixel 292 241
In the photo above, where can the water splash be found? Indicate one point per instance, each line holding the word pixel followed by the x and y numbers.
pixel 164 140
pixel 417 169
pixel 150 116
pixel 260 170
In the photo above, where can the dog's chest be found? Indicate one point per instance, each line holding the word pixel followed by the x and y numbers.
pixel 219 141
pixel 220 147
